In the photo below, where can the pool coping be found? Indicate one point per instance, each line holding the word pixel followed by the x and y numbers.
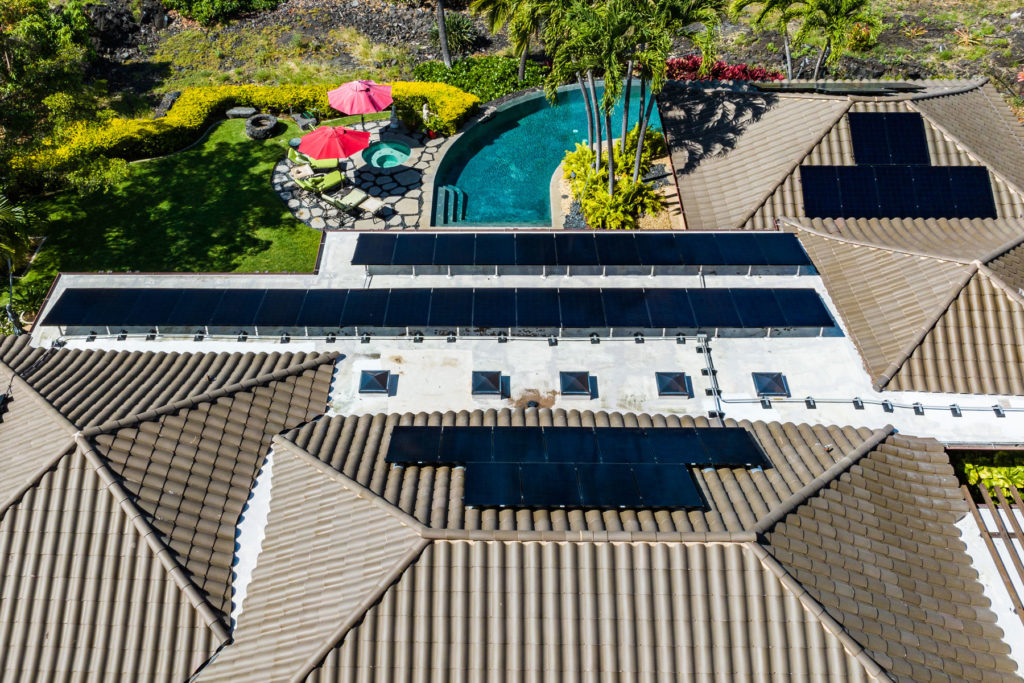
pixel 487 111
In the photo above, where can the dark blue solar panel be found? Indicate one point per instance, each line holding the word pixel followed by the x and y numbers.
pixel 888 138
pixel 515 444
pixel 412 445
pixel 374 249
pixel 667 486
pixel 575 249
pixel 494 308
pixel 783 249
pixel 453 307
pixel 498 250
pixel 740 250
pixel 715 307
pixel 731 447
pixel 608 486
pixel 820 186
pixel 619 445
pixel 408 307
pixel 454 250
pixel 535 250
pixel 465 445
pixel 237 307
pixel 69 308
pixel 670 308
pixel 492 483
pixel 581 307
pixel 659 249
pixel 365 307
pixel 537 308
pixel 550 485
pixel 280 307
pixel 758 308
pixel 195 307
pixel 626 307
pixel 322 308
pixel 858 190
pixel 678 445
pixel 971 192
pixel 617 249
pixel 154 306
pixel 570 444
pixel 895 193
pixel 700 249
pixel 110 307
pixel 413 250
pixel 803 308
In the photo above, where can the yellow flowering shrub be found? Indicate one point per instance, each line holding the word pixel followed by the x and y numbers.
pixel 449 106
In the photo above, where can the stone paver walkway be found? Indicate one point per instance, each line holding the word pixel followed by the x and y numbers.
pixel 400 188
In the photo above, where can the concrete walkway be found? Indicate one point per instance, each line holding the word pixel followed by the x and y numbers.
pixel 400 188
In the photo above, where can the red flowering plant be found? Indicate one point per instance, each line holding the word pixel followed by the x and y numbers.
pixel 688 69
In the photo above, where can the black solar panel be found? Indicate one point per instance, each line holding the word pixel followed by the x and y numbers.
pixel 609 486
pixel 444 309
pixel 570 444
pixel 580 249
pixel 888 138
pixel 897 192
pixel 516 444
pixel 666 486
pixel 494 484
pixel 463 445
pixel 550 485
pixel 414 445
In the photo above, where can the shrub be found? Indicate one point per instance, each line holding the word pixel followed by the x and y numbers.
pixel 208 12
pixel 83 144
pixel 486 77
pixel 449 106
pixel 688 69
pixel 461 33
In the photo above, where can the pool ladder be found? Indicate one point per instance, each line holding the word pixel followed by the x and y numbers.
pixel 451 206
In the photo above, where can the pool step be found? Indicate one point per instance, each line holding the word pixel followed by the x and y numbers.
pixel 452 208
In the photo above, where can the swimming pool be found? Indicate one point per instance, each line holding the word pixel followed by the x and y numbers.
pixel 499 171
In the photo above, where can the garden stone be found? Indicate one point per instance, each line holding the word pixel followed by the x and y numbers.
pixel 374 191
pixel 302 214
pixel 414 194
pixel 407 206
pixel 316 211
pixel 388 186
pixel 294 204
pixel 407 178
pixel 317 224
pixel 240 112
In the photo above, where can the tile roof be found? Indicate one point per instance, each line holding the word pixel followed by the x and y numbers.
pixel 357 445
pixel 1009 267
pixel 879 550
pixel 559 603
pixel 141 509
pixel 925 321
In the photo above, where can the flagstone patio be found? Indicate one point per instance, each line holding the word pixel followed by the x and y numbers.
pixel 400 188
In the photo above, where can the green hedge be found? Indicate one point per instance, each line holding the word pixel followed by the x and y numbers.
pixel 197 107
pixel 486 77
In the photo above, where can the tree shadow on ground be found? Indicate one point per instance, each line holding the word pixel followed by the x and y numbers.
pixel 700 124
pixel 210 208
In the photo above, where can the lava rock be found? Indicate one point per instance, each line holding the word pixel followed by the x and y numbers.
pixel 574 220
pixel 241 112
pixel 167 102
pixel 261 126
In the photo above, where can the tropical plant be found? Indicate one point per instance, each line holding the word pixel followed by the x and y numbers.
pixel 209 12
pixel 834 21
pixel 688 69
pixel 774 14
pixel 15 222
pixel 460 34
pixel 521 19
pixel 486 77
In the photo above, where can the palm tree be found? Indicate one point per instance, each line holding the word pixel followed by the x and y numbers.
pixel 442 35
pixel 776 14
pixel 522 20
pixel 15 222
pixel 834 21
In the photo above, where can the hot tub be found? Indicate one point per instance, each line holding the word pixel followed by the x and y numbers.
pixel 386 154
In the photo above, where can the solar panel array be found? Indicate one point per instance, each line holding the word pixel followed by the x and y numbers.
pixel 577 466
pixel 579 249
pixel 892 178
pixel 444 308
pixel 897 192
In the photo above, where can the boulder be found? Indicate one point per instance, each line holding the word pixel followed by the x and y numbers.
pixel 241 112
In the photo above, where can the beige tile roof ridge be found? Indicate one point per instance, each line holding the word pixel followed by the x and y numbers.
pixel 804 153
pixel 968 85
pixel 806 227
pixel 1000 284
pixel 583 536
pixel 315 360
pixel 993 169
pixel 1002 250
pixel 873 668
pixel 880 382
pixel 167 557
pixel 820 482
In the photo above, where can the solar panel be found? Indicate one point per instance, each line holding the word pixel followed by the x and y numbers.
pixel 622 445
pixel 455 250
pixel 365 307
pixel 238 307
pixel 280 307
pixel 658 250
pixel 608 486
pixel 451 307
pixel 715 307
pixel 820 188
pixel 740 250
pixel 374 249
pixel 731 447
pixel 575 249
pixel 322 308
pixel 408 307
pixel 411 250
pixel 670 308
pixel 757 307
pixel 627 307
pixel 498 250
pixel 614 249
pixel 666 486
pixel 696 250
pixel 783 249
pixel 153 306
pixel 493 483
pixel 571 444
pixel 537 307
pixel 550 485
pixel 888 138
pixel 680 445
pixel 535 250
pixel 195 307
pixel 494 308
pixel 465 445
pixel 515 444
pixel 971 191
pixel 802 308
pixel 581 308
pixel 412 445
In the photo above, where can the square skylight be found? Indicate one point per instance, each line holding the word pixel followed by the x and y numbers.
pixel 770 384
pixel 374 381
pixel 673 384
pixel 575 383
pixel 486 383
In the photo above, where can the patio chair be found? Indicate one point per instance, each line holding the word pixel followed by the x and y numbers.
pixel 324 164
pixel 310 184
pixel 371 207
pixel 349 202
pixel 297 157
pixel 329 181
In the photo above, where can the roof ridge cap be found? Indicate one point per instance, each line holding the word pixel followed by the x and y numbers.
pixel 584 536
pixel 1002 250
pixel 1001 284
pixel 175 570
pixel 815 608
pixel 970 150
pixel 886 375
pixel 278 443
pixel 793 168
pixel 971 84
pixel 816 485
pixel 316 359
pixel 872 245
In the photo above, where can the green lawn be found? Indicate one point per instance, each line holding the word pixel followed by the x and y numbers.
pixel 210 208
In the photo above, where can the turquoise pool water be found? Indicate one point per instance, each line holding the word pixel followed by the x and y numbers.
pixel 386 154
pixel 504 165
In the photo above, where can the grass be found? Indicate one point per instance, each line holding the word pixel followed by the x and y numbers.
pixel 210 208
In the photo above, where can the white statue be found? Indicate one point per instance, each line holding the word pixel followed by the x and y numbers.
pixel 426 113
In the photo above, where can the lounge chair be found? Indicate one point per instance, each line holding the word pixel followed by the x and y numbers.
pixel 297 157
pixel 349 202
pixel 324 164
pixel 310 184
pixel 329 181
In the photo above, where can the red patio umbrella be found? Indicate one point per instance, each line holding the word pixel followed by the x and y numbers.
pixel 360 97
pixel 334 142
